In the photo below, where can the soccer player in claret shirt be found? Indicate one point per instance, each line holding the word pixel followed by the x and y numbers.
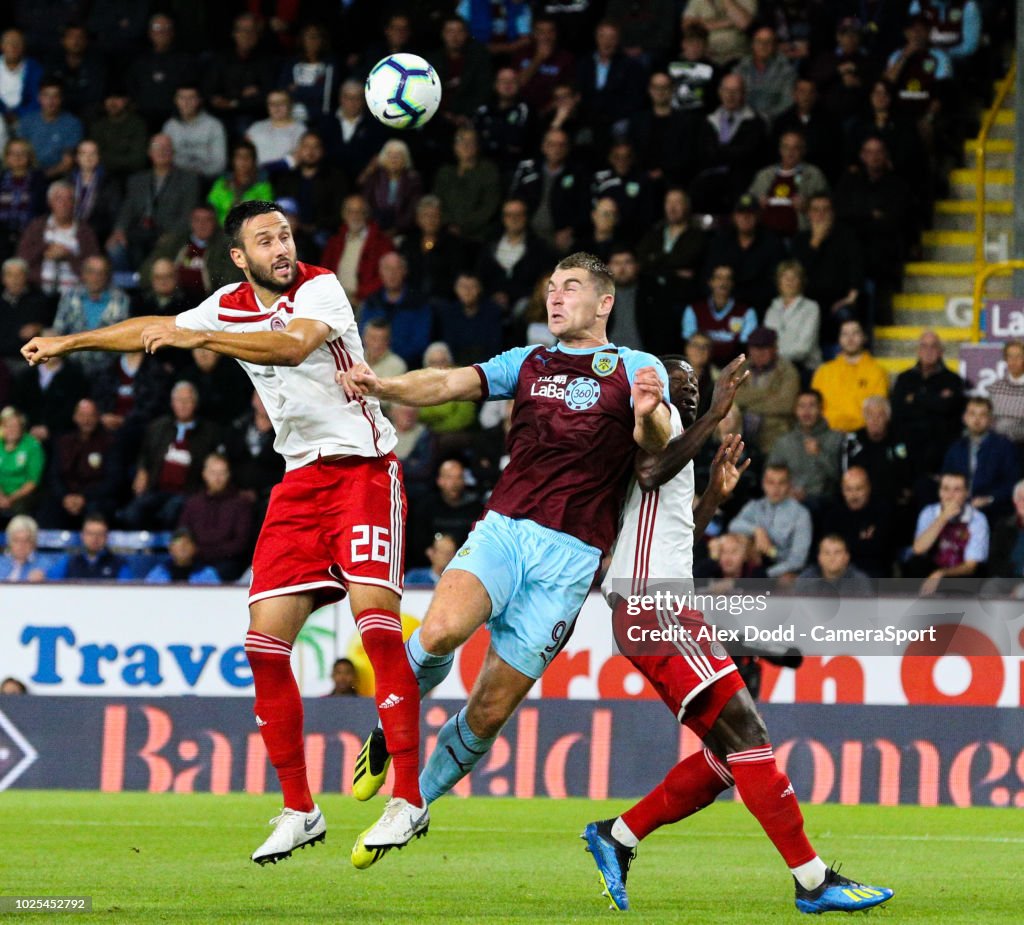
pixel 336 522
pixel 580 410
pixel 695 677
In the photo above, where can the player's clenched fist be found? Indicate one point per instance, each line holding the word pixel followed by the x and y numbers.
pixel 648 390
pixel 40 349
pixel 358 381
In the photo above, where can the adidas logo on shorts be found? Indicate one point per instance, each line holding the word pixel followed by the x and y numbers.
pixel 392 700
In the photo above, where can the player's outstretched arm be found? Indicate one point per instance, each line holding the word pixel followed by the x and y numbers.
pixel 123 337
pixel 421 387
pixel 289 347
pixel 654 470
pixel 726 471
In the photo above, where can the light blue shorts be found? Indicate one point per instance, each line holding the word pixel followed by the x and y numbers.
pixel 537 579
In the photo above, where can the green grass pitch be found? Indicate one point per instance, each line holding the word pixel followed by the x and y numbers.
pixel 174 858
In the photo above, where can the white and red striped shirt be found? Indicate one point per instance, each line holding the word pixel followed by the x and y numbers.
pixel 655 542
pixel 309 411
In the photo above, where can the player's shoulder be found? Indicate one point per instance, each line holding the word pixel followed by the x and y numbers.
pixel 633 359
pixel 310 276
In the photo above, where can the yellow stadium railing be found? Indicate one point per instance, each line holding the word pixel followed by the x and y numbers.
pixel 980 146
pixel 981 278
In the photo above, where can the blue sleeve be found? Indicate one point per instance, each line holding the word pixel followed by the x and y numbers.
pixel 943 66
pixel 633 360
pixel 500 374
pixel 60 569
pixel 971 34
pixel 749 323
pixel 689 322
pixel 205 576
pixel 158 575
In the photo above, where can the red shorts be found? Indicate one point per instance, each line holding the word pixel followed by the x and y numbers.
pixel 329 524
pixel 694 677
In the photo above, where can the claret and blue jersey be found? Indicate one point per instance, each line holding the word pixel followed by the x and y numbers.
pixel 570 444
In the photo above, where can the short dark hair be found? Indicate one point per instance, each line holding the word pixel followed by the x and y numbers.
pixel 241 213
pixel 981 400
pixel 834 538
pixel 379 324
pixel 595 266
pixel 951 473
pixel 779 467
pixel 344 661
pixel 95 518
pixel 820 398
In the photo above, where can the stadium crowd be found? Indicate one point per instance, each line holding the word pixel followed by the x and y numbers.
pixel 754 174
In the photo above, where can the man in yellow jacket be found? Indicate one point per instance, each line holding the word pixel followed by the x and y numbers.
pixel 847 380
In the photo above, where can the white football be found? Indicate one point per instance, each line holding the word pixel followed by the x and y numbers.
pixel 403 91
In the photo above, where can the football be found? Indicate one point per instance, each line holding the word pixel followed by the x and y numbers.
pixel 403 91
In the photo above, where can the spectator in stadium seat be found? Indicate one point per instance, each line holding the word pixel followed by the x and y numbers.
pixel 312 77
pixel 199 255
pixel 843 72
pixel 864 521
pixel 416 448
pixel 698 351
pixel 883 120
pixel 120 132
pixel 433 254
pixel 732 143
pixel 451 417
pixel 544 65
pixel 1007 396
pixel 646 317
pixel 451 508
pixel 21 465
pixel 882 452
pixel 277 136
pixel 610 82
pixel 23 309
pixel 919 71
pixel 834 574
pixel 240 79
pixel 752 251
pixel 55 245
pixel 727 22
pixel 79 69
pixel 21 560
pixel 505 124
pixel 47 395
pixel 22 77
pixel 377 349
pixel 1006 558
pixel 464 68
pixel 783 189
pixel 316 185
pixel 409 314
pixel 343 676
pixel 628 187
pixel 130 391
pixel 219 519
pixel 157 72
pixel 672 251
pixel 768 396
pixel 811 453
pixel 94 561
pixel 84 471
pixel 12 686
pixel 439 553
pixel 200 142
pixel 818 126
pixel 833 263
pixel 987 459
pixel 351 135
pixel 767 75
pixel 952 539
pixel 97 194
pixel 180 566
pixel 779 525
pixel 795 317
pixel 471 324
pixel 566 115
pixel 170 463
pixel 510 264
pixel 876 203
pixel 727 320
pixel 469 190
pixel 927 406
pixel 729 567
pixel 95 303
pixel 224 389
pixel 554 190
pixel 603 234
pixel 847 380
pixel 155 201
pixel 161 296
pixel 255 466
pixel 243 182
pixel 52 132
pixel 354 253
pixel 658 135
pixel 22 193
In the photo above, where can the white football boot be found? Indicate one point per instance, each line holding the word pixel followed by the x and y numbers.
pixel 400 823
pixel 292 829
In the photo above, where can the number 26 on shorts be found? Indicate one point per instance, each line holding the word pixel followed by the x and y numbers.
pixel 371 544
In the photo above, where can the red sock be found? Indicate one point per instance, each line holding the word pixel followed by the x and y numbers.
pixel 279 715
pixel 398 698
pixel 688 787
pixel 769 796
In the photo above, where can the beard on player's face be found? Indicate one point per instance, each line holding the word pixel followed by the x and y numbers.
pixel 268 276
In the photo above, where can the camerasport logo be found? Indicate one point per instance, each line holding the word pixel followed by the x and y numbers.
pixel 16 754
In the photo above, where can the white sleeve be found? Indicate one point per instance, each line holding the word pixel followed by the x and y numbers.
pixel 204 316
pixel 323 299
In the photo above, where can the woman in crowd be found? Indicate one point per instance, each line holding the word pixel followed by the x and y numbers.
pixel 393 188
